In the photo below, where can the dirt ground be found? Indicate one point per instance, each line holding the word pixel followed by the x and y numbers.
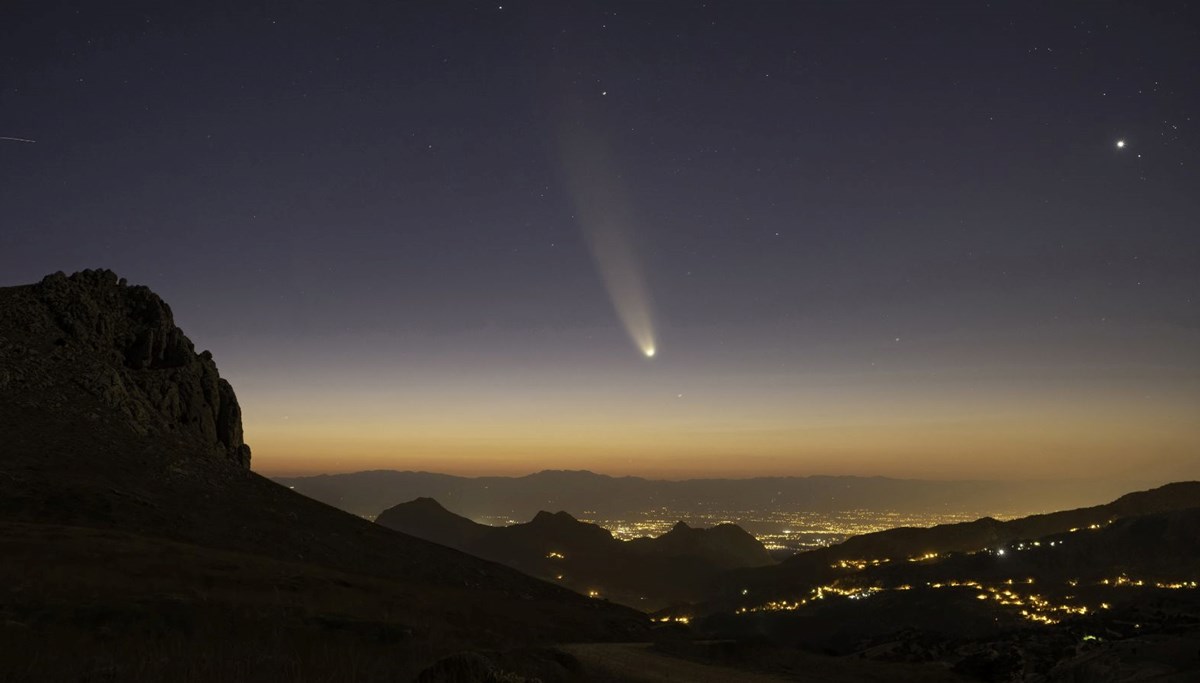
pixel 639 663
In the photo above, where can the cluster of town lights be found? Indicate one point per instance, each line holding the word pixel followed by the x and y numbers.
pixel 1032 606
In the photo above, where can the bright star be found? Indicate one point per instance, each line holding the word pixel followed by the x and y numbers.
pixel 1120 144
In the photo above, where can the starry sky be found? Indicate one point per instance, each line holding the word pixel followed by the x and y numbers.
pixel 945 240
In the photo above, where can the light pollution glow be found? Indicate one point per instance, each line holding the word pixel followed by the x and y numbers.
pixel 604 215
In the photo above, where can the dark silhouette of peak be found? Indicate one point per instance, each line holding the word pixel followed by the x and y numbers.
pixel 568 475
pixel 426 518
pixel 554 519
pixel 726 545
pixel 563 523
pixel 560 529
pixel 427 504
pixel 647 573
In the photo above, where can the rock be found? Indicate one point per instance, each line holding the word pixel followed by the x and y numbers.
pixel 139 362
pixel 466 667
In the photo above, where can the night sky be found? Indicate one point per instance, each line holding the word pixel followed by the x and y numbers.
pixel 859 238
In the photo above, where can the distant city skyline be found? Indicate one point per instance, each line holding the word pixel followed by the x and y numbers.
pixel 671 240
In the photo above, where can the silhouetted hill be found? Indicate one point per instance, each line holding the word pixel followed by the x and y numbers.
pixel 648 573
pixel 901 544
pixel 1158 546
pixel 1035 608
pixel 726 546
pixel 597 495
pixel 987 532
pixel 426 518
pixel 125 495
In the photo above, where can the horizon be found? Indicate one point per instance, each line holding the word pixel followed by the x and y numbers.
pixel 1095 480
pixel 787 240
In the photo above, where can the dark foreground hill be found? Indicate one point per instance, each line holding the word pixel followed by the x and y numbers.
pixel 1076 604
pixel 925 544
pixel 136 544
pixel 989 533
pixel 647 573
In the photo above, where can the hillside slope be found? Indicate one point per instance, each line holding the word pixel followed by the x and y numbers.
pixel 121 444
pixel 1048 608
pixel 898 545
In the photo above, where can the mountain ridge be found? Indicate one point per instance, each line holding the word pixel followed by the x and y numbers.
pixel 645 573
pixel 582 492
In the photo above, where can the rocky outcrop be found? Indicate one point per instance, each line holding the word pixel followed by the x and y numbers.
pixel 122 345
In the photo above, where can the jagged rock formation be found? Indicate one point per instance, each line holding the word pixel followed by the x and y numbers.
pixel 120 344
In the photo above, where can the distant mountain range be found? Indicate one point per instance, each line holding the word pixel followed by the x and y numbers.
pixel 587 494
pixel 647 573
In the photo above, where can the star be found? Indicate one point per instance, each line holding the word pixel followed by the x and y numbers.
pixel 1120 144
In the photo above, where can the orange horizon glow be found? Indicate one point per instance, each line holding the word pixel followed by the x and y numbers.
pixel 1006 447
pixel 705 412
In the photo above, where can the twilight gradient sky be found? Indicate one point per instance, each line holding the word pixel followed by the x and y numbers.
pixel 863 238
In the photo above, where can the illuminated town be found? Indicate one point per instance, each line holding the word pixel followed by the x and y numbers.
pixel 780 530
pixel 1017 594
pixel 1045 604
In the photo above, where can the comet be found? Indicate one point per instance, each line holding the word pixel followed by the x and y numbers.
pixel 4 137
pixel 606 219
